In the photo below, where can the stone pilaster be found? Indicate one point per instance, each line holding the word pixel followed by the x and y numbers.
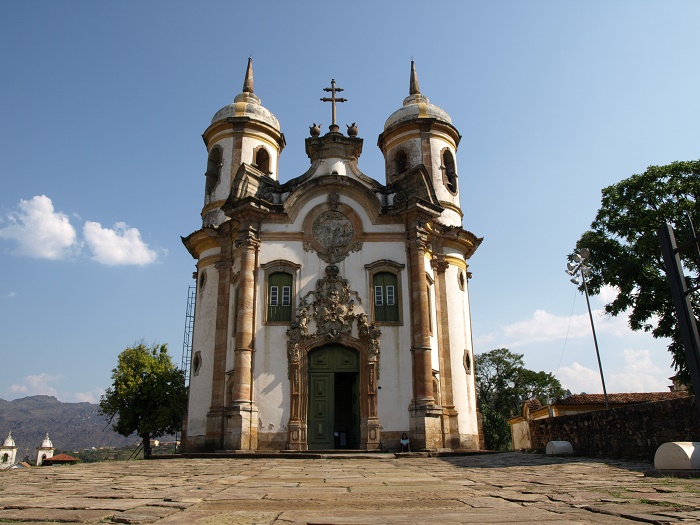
pixel 215 417
pixel 371 429
pixel 242 427
pixel 425 417
pixel 450 424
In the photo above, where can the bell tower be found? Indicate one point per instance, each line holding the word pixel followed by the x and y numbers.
pixel 421 133
pixel 241 133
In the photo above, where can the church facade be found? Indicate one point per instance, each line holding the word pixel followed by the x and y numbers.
pixel 332 310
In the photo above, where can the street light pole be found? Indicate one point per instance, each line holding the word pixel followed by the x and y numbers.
pixel 580 259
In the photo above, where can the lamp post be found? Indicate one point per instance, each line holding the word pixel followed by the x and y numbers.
pixel 578 267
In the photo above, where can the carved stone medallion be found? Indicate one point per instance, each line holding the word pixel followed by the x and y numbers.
pixel 333 230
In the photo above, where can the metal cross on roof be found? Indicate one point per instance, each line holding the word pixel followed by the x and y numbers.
pixel 333 99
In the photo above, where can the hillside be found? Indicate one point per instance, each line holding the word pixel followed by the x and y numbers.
pixel 71 426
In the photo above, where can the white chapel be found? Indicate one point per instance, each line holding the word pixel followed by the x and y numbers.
pixel 332 310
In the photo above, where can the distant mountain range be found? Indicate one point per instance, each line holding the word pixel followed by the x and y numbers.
pixel 71 426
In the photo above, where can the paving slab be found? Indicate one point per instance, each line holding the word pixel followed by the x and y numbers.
pixel 510 488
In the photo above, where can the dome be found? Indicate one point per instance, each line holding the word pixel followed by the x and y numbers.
pixel 247 104
pixel 47 442
pixel 416 106
pixel 9 442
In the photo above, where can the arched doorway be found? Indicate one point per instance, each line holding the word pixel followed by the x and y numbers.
pixel 334 398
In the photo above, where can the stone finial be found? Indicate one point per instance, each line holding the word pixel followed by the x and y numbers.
pixel 248 82
pixel 414 87
pixel 352 130
pixel 315 130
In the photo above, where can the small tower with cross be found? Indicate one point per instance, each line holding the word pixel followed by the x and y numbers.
pixel 44 451
pixel 242 135
pixel 8 452
pixel 421 133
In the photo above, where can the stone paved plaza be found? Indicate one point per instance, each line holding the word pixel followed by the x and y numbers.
pixel 489 488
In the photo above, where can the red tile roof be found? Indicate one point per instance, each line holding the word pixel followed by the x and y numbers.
pixel 60 458
pixel 631 398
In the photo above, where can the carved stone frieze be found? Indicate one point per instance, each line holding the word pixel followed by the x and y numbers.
pixel 333 230
pixel 331 306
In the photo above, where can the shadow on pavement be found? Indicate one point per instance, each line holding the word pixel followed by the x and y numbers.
pixel 523 459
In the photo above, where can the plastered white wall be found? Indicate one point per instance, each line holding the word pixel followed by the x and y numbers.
pixel 271 382
pixel 203 341
pixel 460 340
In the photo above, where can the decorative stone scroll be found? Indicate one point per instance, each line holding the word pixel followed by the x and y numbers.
pixel 332 309
pixel 328 313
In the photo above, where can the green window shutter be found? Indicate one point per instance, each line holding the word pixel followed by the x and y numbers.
pixel 386 303
pixel 279 297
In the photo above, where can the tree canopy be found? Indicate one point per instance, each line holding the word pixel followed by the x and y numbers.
pixel 625 250
pixel 502 385
pixel 148 394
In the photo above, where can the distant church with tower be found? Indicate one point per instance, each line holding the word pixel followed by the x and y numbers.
pixel 332 310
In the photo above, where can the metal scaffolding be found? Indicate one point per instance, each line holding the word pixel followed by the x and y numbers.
pixel 187 339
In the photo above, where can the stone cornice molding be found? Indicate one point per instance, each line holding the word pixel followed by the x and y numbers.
pixel 439 263
pixel 201 240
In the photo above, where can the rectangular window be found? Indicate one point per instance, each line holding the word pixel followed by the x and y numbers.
pixel 386 308
pixel 279 293
pixel 390 295
pixel 378 296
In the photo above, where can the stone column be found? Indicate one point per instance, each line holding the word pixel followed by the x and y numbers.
pixel 422 360
pixel 243 423
pixel 425 417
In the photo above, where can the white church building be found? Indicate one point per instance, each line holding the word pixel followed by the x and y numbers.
pixel 332 310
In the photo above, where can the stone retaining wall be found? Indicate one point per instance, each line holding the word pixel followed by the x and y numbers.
pixel 633 432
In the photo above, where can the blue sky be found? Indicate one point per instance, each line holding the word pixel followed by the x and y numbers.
pixel 102 106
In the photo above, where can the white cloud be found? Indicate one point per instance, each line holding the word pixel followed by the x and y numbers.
pixel 39 231
pixel 543 327
pixel 118 245
pixel 92 396
pixel 485 340
pixel 43 233
pixel 46 384
pixel 578 378
pixel 640 374
pixel 12 295
pixel 608 293
pixel 34 385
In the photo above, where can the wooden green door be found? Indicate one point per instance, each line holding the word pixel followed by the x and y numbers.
pixel 333 417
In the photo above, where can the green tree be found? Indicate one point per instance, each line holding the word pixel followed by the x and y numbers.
pixel 148 394
pixel 626 254
pixel 502 385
